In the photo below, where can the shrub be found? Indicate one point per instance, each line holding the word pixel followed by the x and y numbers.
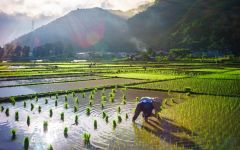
pixel 114 124
pixel 45 125
pixel 46 101
pixel 88 111
pixel 62 116
pixel 49 147
pixel 65 132
pixel 75 108
pixel 2 108
pixel 12 100
pixel 24 104
pixel 119 119
pixel 95 124
pixel 16 116
pixel 7 112
pixel 50 112
pixel 66 105
pixel 32 106
pixel 26 143
pixel 39 109
pixel 106 119
pixel 28 120
pixel 13 132
pixel 86 138
pixel 56 103
pixel 76 120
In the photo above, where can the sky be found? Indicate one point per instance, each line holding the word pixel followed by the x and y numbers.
pixel 16 16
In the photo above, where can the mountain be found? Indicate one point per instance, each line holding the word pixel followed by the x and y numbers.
pixel 80 30
pixel 194 24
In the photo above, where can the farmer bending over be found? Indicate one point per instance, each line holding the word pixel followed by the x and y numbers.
pixel 146 105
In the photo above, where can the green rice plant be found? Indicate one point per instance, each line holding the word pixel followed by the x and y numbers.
pixel 124 102
pixel 65 132
pixel 32 106
pixel 45 125
pixel 102 104
pixel 26 143
pixel 119 109
pixel 91 97
pixel 104 98
pixel 113 90
pixel 46 101
pixel 126 116
pixel 7 112
pixel 137 99
pixel 106 119
pixel 75 108
pixel 39 109
pixel 102 94
pixel 114 124
pixel 73 94
pixel 56 96
pixel 76 119
pixel 24 104
pixel 13 132
pixel 76 101
pixel 28 120
pixel 16 116
pixel 66 105
pixel 50 112
pixel 86 138
pixel 13 101
pixel 104 114
pixel 119 118
pixel 124 97
pixel 111 94
pixel 66 98
pixel 56 103
pixel 62 116
pixel 111 99
pixel 90 103
pixel 36 98
pixel 83 95
pixel 88 111
pixel 95 124
pixel 49 147
pixel 2 108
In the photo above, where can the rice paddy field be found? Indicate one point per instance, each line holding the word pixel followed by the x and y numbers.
pixel 90 106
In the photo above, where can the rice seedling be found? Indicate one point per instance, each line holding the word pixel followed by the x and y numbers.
pixel 7 112
pixel 16 116
pixel 124 102
pixel 76 119
pixel 56 103
pixel 113 90
pixel 76 101
pixel 26 143
pixel 75 109
pixel 62 116
pixel 88 111
pixel 137 99
pixel 56 96
pixel 49 147
pixel 24 104
pixel 13 101
pixel 111 99
pixel 83 95
pixel 65 132
pixel 104 98
pixel 66 98
pixel 39 109
pixel 114 124
pixel 50 112
pixel 91 97
pixel 106 119
pixel 36 98
pixel 102 104
pixel 119 109
pixel 104 114
pixel 90 103
pixel 13 132
pixel 119 118
pixel 126 116
pixel 66 105
pixel 73 94
pixel 28 120
pixel 45 125
pixel 2 108
pixel 111 94
pixel 86 138
pixel 46 101
pixel 124 97
pixel 95 124
pixel 188 90
pixel 32 106
pixel 102 94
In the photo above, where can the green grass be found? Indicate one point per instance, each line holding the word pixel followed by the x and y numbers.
pixel 214 119
pixel 203 86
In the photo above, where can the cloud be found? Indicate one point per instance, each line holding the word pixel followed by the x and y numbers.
pixel 36 8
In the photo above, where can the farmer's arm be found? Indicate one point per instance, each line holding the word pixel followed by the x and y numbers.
pixel 137 112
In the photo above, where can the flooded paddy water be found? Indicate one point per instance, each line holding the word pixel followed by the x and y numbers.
pixel 157 134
